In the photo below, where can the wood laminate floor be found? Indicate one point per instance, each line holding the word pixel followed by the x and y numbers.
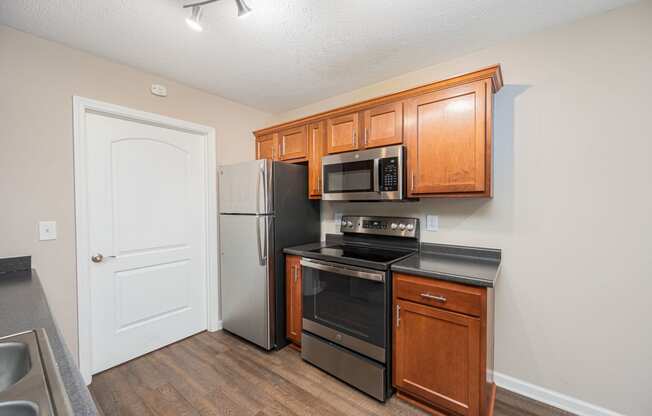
pixel 219 374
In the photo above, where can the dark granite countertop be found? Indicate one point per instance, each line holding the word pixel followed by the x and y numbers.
pixel 466 265
pixel 23 307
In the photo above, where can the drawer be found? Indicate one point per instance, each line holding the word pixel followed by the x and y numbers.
pixel 445 295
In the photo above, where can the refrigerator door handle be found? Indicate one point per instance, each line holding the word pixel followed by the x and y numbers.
pixel 263 172
pixel 265 253
pixel 261 260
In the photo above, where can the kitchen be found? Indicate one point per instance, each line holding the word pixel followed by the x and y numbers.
pixel 454 240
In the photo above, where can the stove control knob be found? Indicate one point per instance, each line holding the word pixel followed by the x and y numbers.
pixel 410 227
pixel 349 224
pixel 394 226
pixel 401 226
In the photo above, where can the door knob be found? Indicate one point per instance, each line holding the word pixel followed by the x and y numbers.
pixel 97 258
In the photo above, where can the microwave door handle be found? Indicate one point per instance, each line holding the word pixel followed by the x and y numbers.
pixel 376 176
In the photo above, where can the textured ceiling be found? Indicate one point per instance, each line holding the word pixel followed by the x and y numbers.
pixel 288 53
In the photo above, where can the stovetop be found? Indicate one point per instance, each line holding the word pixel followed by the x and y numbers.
pixel 372 242
pixel 373 254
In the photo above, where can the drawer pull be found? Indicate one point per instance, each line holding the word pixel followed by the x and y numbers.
pixel 439 299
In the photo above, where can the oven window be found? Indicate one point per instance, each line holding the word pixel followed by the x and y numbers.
pixel 349 177
pixel 350 305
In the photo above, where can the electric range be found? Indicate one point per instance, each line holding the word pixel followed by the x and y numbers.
pixel 347 300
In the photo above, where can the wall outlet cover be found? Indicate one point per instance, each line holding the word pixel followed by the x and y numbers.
pixel 432 223
pixel 47 230
pixel 338 219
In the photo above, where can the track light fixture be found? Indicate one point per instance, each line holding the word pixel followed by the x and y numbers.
pixel 193 20
pixel 196 12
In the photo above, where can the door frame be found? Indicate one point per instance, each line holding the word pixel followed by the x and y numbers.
pixel 81 106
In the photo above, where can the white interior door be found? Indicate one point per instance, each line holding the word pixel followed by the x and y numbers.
pixel 146 202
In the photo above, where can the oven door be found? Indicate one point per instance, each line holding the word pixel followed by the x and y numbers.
pixel 345 305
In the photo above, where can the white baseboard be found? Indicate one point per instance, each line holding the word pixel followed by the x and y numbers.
pixel 552 398
pixel 216 327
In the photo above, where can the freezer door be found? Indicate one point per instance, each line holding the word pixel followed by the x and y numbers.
pixel 245 277
pixel 245 188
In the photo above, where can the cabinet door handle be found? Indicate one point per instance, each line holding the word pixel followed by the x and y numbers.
pixel 318 183
pixel 296 273
pixel 437 298
pixel 412 181
pixel 398 315
pixel 355 141
pixel 366 134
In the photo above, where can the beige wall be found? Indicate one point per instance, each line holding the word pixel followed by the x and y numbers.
pixel 572 205
pixel 37 81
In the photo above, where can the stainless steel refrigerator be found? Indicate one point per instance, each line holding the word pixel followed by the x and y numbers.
pixel 264 207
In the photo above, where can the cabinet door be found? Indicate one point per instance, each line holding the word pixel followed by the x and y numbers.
pixel 293 143
pixel 293 299
pixel 437 356
pixel 383 125
pixel 447 144
pixel 266 147
pixel 342 133
pixel 316 151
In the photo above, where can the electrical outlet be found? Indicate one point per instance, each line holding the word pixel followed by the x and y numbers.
pixel 432 223
pixel 338 219
pixel 47 230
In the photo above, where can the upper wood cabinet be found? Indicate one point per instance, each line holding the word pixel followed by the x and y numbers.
pixel 342 133
pixel 293 143
pixel 266 147
pixel 316 149
pixel 293 299
pixel 446 127
pixel 383 125
pixel 448 145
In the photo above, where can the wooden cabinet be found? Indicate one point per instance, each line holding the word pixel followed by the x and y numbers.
pixel 293 300
pixel 293 143
pixel 446 126
pixel 448 141
pixel 266 146
pixel 316 149
pixel 443 345
pixel 383 125
pixel 342 133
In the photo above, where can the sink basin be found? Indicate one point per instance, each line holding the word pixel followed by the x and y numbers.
pixel 14 363
pixel 30 382
pixel 18 409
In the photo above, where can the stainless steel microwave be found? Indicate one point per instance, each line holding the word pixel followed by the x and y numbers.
pixel 366 175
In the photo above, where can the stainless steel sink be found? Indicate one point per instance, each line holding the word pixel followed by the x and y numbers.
pixel 19 409
pixel 30 383
pixel 14 363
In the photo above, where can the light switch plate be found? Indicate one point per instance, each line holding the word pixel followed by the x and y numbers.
pixel 47 230
pixel 432 223
pixel 338 219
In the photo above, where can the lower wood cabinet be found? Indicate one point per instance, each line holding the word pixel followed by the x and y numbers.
pixel 293 300
pixel 443 346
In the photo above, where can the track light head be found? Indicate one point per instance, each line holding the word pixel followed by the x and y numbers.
pixel 195 17
pixel 243 9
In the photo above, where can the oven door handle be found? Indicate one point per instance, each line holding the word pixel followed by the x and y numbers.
pixel 347 271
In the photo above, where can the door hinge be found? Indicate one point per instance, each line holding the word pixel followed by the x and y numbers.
pixel 398 315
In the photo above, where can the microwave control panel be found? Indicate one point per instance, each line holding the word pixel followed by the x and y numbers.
pixel 389 174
